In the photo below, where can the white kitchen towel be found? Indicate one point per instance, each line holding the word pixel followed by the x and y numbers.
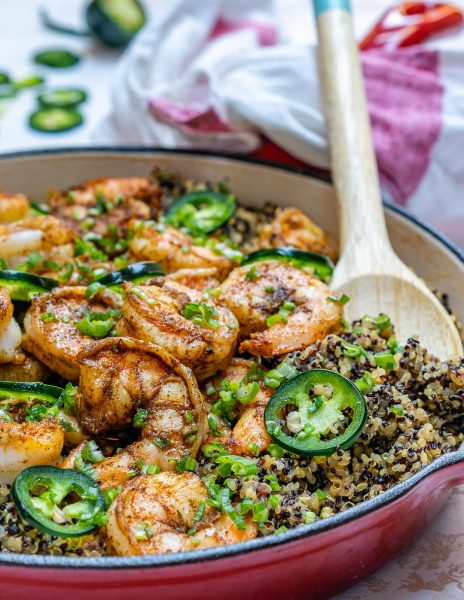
pixel 219 74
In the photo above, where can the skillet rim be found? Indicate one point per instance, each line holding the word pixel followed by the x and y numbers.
pixel 291 535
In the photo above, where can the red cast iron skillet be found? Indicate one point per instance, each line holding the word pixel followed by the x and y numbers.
pixel 312 561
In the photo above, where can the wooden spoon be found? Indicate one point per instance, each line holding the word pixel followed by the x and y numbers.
pixel 369 271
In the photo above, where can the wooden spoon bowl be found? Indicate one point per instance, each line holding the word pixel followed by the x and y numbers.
pixel 369 271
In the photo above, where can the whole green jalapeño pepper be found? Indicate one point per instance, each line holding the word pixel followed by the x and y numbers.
pixel 315 413
pixel 61 502
pixel 201 212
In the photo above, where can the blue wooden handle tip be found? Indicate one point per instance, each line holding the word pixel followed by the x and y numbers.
pixel 321 6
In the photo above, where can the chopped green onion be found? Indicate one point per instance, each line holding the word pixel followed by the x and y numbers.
pixel 281 374
pixel 352 350
pixel 273 482
pixel 199 513
pixel 38 412
pixel 110 494
pixel 226 506
pixel 213 425
pixel 381 322
pixel 140 418
pixel 275 450
pixel 201 314
pixel 95 328
pixel 161 442
pixel 48 317
pixel 142 532
pixel 321 495
pixel 393 346
pixel 92 453
pixel 282 315
pixel 252 274
pixel 310 517
pixel 385 360
pixel 93 288
pixel 343 299
pixel 147 468
pixel 239 465
pixel 68 401
pixel 365 384
pixel 213 449
pixel 86 247
pixel 186 463
pixel 260 512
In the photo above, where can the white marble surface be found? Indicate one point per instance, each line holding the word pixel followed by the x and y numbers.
pixel 433 567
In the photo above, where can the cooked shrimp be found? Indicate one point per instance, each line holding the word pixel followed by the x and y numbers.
pixel 291 227
pixel 10 332
pixel 196 279
pixel 27 444
pixel 43 234
pixel 173 249
pixel 120 376
pixel 155 314
pixel 13 207
pixel 24 368
pixel 155 515
pixel 249 435
pixel 111 472
pixel 50 331
pixel 308 312
pixel 102 205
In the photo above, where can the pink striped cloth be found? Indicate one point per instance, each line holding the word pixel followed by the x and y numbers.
pixel 218 75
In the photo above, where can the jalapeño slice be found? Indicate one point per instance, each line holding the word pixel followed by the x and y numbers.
pixel 37 209
pixel 27 391
pixel 202 211
pixel 136 272
pixel 24 286
pixel 318 264
pixel 55 120
pixel 62 98
pixel 315 413
pixel 56 58
pixel 61 502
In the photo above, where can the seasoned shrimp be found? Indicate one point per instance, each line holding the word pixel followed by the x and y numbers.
pixel 173 249
pixel 291 227
pixel 50 331
pixel 307 312
pixel 120 376
pixel 111 472
pixel 13 207
pixel 156 314
pixel 249 435
pixel 155 515
pixel 10 332
pixel 45 234
pixel 103 205
pixel 27 444
pixel 24 368
pixel 196 279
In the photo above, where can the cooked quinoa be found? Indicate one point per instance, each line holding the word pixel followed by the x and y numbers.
pixel 415 414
